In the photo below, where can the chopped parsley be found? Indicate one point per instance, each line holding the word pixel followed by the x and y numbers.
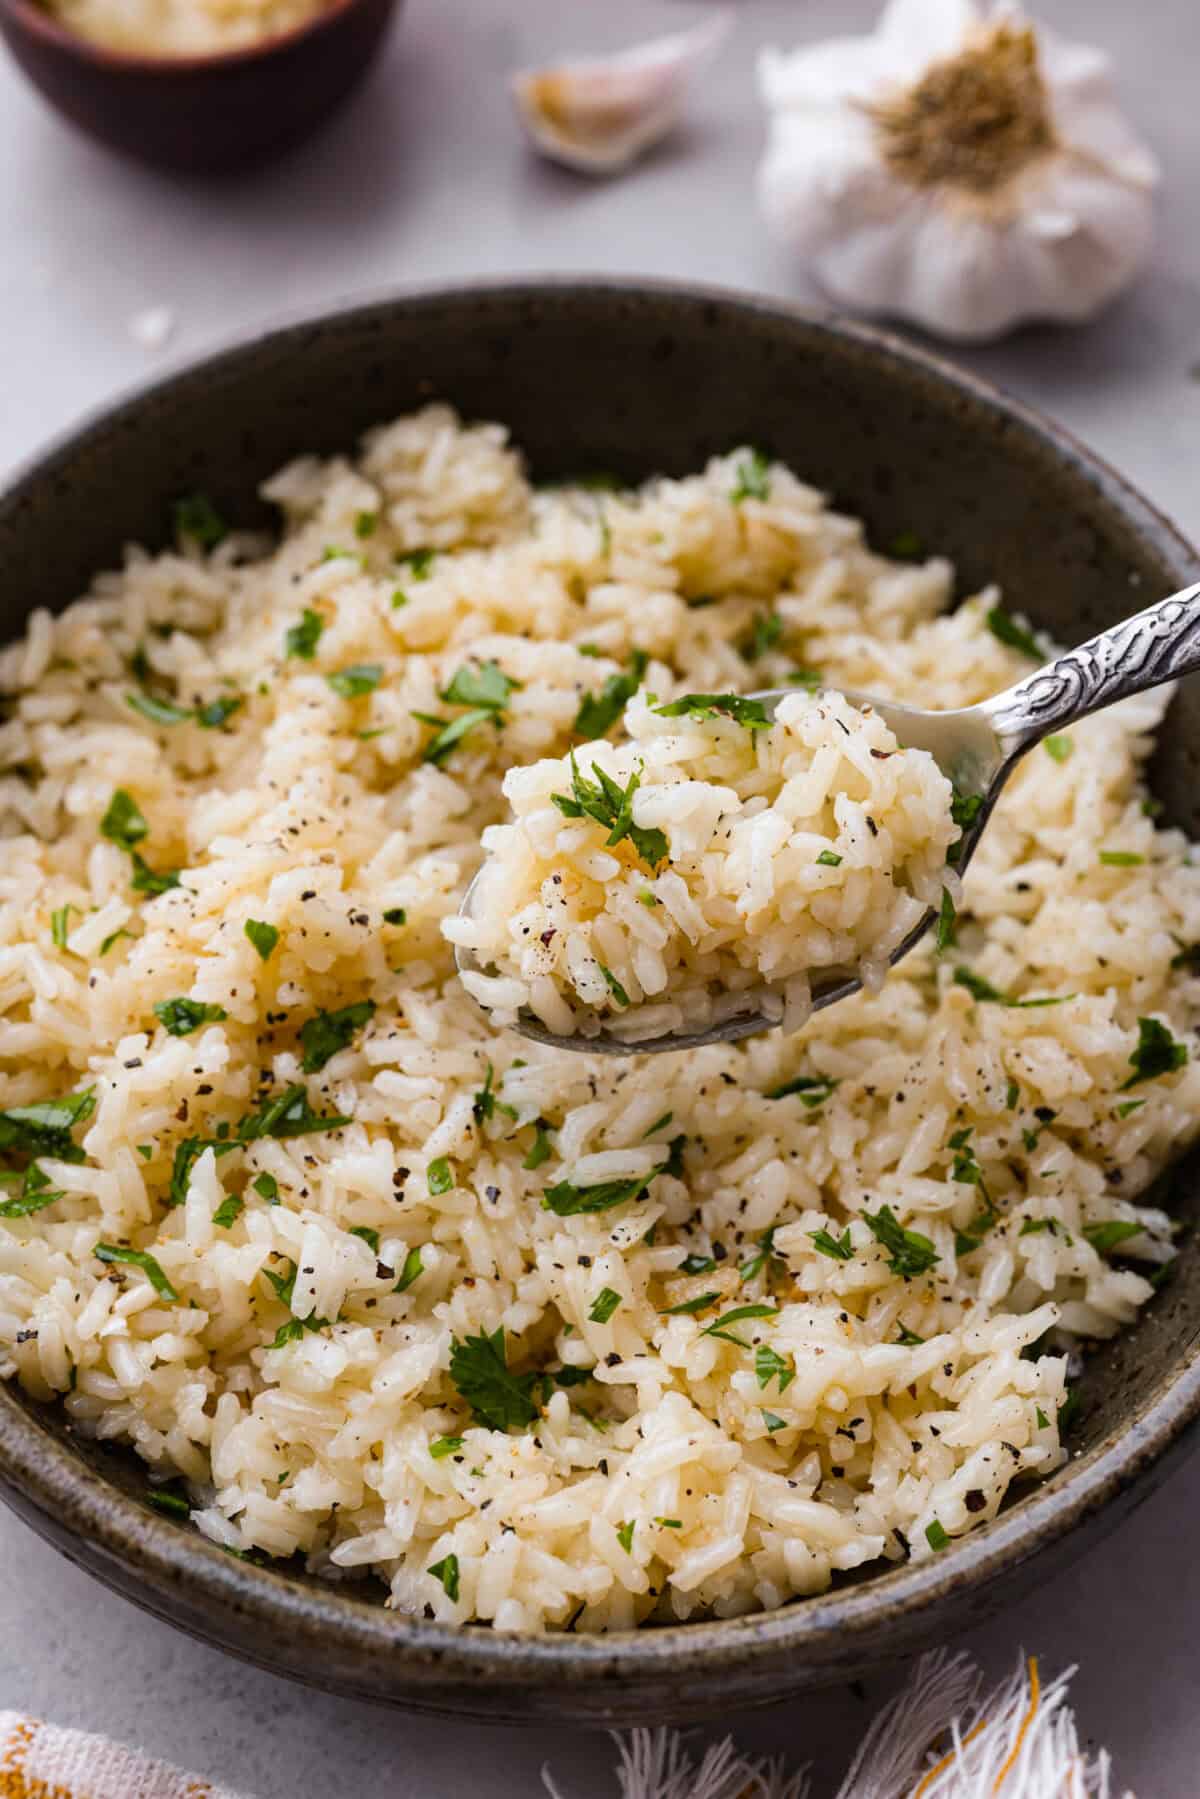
pixel 763 635
pixel 60 926
pixel 267 1187
pixel 936 1536
pixel 483 1105
pixel 660 1124
pixel 757 1262
pixel 1060 749
pixel 981 989
pixel 439 1176
pixel 774 1422
pixel 542 1148
pixel 1157 1053
pixel 419 563
pixel 123 823
pixel 169 1501
pixel 752 477
pixel 44 1128
pixel 302 639
pixel 696 1264
pixel 909 1252
pixel 150 880
pixel 498 1398
pixel 441 1447
pixel 946 936
pixel 612 806
pixel 366 524
pixel 1105 1237
pixel 114 937
pixel 604 1305
pixel 229 1211
pixel 263 936
pixel 1121 859
pixel 196 517
pixel 31 1192
pixel 1005 629
pixel 598 712
pixel 908 1339
pixel 565 1199
pixel 838 1249
pixel 829 859
pixel 328 1032
pixel 447 1572
pixel 1129 1106
pixel 718 1328
pixel 1012 1096
pixel 351 683
pixel 180 1017
pixel 687 1308
pixel 370 1237
pixel 614 986
pixel 137 1258
pixel 625 1536
pixel 412 1269
pixel 395 915
pixel 769 1365
pixel 813 1090
pixel 158 711
pixel 750 713
pixel 668 1523
pixel 1043 1423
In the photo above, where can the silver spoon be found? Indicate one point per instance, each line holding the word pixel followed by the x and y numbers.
pixel 976 748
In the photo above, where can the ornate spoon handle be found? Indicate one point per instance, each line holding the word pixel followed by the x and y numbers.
pixel 1156 645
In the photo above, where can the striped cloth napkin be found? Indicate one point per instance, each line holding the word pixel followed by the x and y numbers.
pixel 942 1737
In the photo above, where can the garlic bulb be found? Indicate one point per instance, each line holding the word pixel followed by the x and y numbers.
pixel 598 113
pixel 958 168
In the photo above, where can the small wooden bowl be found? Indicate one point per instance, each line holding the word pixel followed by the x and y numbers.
pixel 209 113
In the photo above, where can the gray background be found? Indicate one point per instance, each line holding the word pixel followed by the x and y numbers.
pixel 424 178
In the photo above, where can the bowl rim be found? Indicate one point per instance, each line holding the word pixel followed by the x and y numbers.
pixel 165 1567
pixel 35 19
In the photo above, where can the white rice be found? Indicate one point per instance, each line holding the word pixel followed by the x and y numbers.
pixel 182 27
pixel 753 860
pixel 855 1416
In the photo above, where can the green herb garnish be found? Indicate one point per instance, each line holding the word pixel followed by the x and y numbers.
pixel 137 1258
pixel 769 1365
pixel 44 1128
pixel 813 1089
pixel 196 517
pixel 1059 748
pixel 752 478
pixel 1157 1053
pixel 498 1398
pixel 302 639
pixel 123 823
pixel 909 1252
pixel 264 937
pixel 361 677
pixel 829 859
pixel 1105 1237
pixel 598 712
pixel 439 1176
pixel 718 1328
pixel 936 1537
pixel 687 1308
pixel 229 1210
pixel 612 806
pixel 1006 630
pixel 413 1267
pixel 717 705
pixel 323 1036
pixel 838 1249
pixel 614 986
pixel 981 989
pixel 604 1305
pixel 441 1447
pixel 180 1017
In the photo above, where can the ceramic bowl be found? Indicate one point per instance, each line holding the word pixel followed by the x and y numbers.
pixel 203 114
pixel 633 379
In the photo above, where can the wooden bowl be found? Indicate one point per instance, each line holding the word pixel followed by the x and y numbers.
pixel 211 113
pixel 635 377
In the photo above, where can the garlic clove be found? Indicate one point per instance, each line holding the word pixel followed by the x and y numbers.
pixel 598 114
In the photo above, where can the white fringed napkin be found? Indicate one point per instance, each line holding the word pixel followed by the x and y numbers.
pixel 942 1737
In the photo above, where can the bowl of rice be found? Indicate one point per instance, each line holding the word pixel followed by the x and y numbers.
pixel 199 86
pixel 355 1333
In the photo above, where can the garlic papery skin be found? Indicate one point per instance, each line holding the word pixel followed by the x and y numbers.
pixel 959 168
pixel 598 114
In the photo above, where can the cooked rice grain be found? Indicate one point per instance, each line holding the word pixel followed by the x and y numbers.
pixel 858 1412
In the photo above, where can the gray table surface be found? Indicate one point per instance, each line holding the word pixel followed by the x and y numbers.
pixel 424 179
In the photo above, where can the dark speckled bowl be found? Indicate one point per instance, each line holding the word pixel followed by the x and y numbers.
pixel 211 113
pixel 634 379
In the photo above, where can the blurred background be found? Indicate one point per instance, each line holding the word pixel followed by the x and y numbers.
pixel 112 272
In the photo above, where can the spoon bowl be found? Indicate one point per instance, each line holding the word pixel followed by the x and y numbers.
pixel 976 748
